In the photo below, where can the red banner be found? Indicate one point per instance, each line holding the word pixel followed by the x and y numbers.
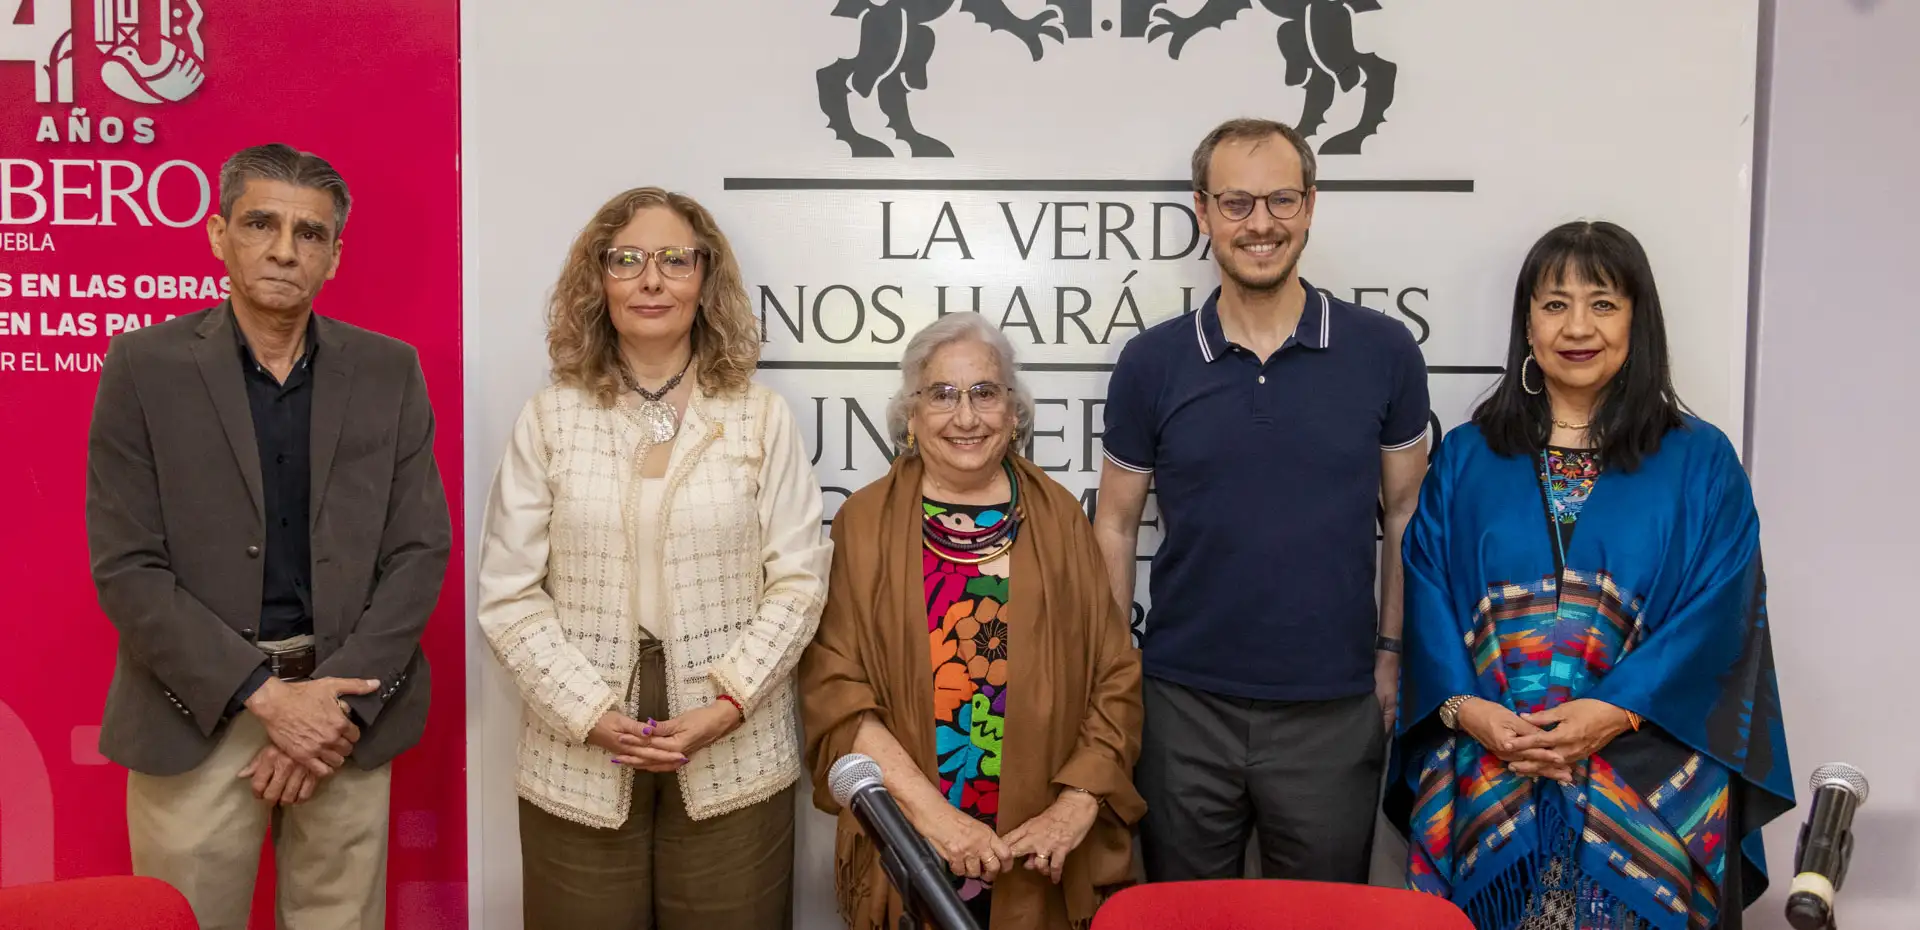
pixel 116 116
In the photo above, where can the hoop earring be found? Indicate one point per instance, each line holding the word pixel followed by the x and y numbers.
pixel 1523 376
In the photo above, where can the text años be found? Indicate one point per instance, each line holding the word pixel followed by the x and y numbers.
pixel 82 128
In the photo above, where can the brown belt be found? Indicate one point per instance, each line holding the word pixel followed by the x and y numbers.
pixel 292 665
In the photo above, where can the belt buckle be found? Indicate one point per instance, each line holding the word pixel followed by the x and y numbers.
pixel 284 665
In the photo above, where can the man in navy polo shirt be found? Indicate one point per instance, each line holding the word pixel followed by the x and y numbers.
pixel 1274 422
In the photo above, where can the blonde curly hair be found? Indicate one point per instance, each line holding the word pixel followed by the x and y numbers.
pixel 581 341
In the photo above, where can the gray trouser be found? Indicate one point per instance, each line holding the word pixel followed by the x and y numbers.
pixel 1304 774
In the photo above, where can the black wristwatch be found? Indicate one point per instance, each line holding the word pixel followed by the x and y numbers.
pixel 1386 644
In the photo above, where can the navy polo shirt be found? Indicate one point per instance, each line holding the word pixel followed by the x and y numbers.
pixel 1268 478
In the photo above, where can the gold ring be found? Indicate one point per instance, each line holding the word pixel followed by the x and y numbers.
pixel 1040 856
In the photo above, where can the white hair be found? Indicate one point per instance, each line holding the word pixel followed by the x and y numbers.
pixel 964 326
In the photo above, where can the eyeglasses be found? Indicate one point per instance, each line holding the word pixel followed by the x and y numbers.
pixel 1238 205
pixel 677 261
pixel 986 397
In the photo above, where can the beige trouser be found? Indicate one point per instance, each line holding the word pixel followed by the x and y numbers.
pixel 201 833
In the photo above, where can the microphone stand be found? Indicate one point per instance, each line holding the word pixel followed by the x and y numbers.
pixel 911 916
pixel 914 912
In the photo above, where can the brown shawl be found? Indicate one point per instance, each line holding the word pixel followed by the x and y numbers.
pixel 1073 712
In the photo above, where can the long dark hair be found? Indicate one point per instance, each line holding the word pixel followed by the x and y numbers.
pixel 1639 405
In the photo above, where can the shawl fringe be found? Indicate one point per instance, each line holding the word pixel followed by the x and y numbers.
pixel 1515 895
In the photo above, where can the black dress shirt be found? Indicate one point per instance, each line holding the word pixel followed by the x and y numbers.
pixel 282 428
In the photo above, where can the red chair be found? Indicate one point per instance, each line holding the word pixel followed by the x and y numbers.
pixel 1263 904
pixel 114 902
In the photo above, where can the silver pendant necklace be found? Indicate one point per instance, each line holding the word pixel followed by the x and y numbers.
pixel 657 418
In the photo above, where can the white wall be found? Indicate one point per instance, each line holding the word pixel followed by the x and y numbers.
pixel 1833 385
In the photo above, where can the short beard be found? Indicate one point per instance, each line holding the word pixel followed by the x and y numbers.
pixel 1263 287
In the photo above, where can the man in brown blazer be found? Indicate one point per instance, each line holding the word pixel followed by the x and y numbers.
pixel 269 534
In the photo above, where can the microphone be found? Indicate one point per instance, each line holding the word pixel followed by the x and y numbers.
pixel 1826 845
pixel 916 872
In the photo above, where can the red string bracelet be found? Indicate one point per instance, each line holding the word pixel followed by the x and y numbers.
pixel 736 705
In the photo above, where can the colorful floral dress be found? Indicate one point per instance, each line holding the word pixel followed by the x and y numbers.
pixel 967 633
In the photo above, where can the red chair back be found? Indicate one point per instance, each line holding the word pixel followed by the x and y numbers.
pixel 115 902
pixel 1263 904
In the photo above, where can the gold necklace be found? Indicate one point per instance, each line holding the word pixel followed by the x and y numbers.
pixel 1565 425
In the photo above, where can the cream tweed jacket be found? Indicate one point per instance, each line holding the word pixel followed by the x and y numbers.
pixel 745 563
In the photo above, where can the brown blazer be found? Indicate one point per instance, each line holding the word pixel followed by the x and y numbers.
pixel 176 526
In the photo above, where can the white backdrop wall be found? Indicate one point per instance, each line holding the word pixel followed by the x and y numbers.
pixel 1833 378
pixel 1506 118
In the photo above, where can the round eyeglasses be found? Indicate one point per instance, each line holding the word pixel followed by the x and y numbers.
pixel 1238 205
pixel 677 261
pixel 986 397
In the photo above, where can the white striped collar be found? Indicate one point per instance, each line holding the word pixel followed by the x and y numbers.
pixel 1313 331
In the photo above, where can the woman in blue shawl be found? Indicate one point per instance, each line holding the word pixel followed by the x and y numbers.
pixel 1591 732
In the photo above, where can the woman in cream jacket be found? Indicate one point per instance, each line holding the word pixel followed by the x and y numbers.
pixel 652 567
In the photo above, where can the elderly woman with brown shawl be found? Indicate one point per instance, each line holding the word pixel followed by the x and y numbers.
pixel 971 645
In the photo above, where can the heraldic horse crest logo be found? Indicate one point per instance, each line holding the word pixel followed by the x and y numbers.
pixel 896 42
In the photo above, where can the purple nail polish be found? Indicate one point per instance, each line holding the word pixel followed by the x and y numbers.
pixel 647 732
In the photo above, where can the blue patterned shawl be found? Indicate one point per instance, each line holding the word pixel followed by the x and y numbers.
pixel 1659 609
